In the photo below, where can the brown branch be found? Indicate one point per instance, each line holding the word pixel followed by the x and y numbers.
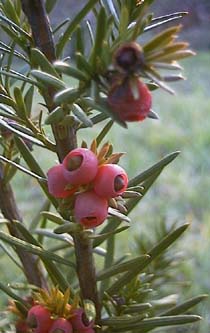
pixel 86 270
pixel 66 140
pixel 43 39
pixel 40 27
pixel 10 212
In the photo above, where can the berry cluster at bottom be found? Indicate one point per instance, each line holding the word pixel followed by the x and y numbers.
pixel 40 320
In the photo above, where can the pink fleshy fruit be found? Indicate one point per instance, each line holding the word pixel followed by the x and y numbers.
pixel 90 210
pixel 57 182
pixel 80 323
pixel 111 181
pixel 39 319
pixel 81 166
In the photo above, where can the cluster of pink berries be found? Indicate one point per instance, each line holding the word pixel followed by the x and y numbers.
pixel 40 320
pixel 92 184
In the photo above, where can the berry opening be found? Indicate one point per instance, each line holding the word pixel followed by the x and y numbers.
pixel 89 221
pixel 74 162
pixel 119 183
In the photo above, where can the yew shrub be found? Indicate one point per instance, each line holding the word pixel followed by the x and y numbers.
pixel 72 278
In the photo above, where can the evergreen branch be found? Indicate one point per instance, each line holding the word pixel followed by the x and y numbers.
pixel 66 140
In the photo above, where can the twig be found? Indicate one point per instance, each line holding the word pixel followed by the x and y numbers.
pixel 10 211
pixel 86 270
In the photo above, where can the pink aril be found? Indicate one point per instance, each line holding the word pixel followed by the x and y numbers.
pixel 80 323
pixel 110 181
pixel 39 319
pixel 57 183
pixel 90 210
pixel 81 166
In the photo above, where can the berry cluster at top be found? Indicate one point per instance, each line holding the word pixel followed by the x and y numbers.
pixel 91 180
